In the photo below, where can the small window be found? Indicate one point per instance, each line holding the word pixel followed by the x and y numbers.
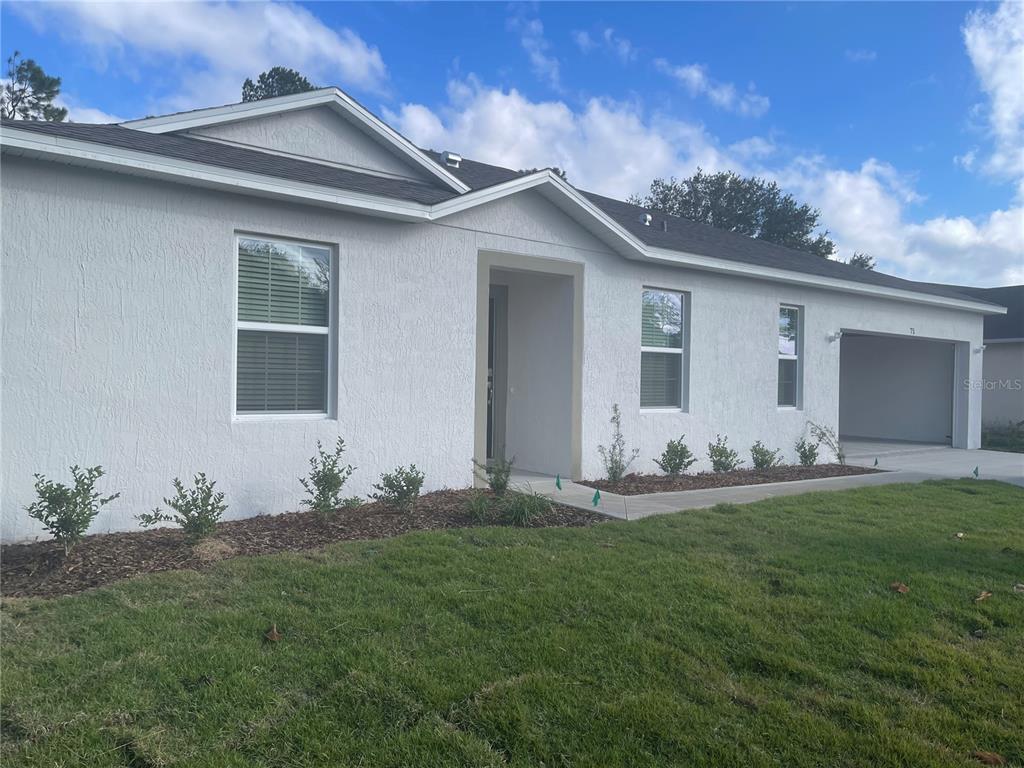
pixel 789 356
pixel 661 350
pixel 284 308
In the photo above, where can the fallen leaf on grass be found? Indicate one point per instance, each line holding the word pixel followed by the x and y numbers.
pixel 960 535
pixel 272 634
pixel 978 633
pixel 988 758
pixel 899 586
pixel 984 595
pixel 1018 587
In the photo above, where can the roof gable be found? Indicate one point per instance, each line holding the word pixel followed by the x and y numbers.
pixel 207 121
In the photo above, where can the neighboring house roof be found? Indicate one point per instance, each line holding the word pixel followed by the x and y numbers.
pixel 1002 327
pixel 149 148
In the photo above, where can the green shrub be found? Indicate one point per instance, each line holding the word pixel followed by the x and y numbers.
pixel 723 458
pixel 67 512
pixel 807 452
pixel 520 509
pixel 764 458
pixel 676 458
pixel 828 436
pixel 479 507
pixel 614 457
pixel 326 479
pixel 399 488
pixel 351 502
pixel 195 510
pixel 496 473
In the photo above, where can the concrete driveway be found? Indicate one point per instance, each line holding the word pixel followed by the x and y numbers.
pixel 936 460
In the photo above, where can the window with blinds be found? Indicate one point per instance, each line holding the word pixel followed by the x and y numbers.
pixel 789 356
pixel 661 349
pixel 284 302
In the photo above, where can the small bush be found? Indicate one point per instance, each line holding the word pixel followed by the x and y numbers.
pixel 496 473
pixel 479 507
pixel 195 510
pixel 614 458
pixel 676 458
pixel 828 436
pixel 764 458
pixel 399 488
pixel 807 452
pixel 326 478
pixel 520 509
pixel 67 512
pixel 352 502
pixel 723 458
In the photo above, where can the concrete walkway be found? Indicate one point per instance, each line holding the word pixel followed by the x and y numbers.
pixel 903 462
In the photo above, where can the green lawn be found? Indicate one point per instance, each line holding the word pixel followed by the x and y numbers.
pixel 739 636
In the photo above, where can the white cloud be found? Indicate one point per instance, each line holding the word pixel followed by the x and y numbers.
pixel 696 80
pixel 607 146
pixel 210 48
pixel 860 55
pixel 995 44
pixel 531 37
pixel 583 40
pixel 620 46
pixel 80 113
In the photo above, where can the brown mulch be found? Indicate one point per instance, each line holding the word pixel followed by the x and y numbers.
pixel 635 484
pixel 40 569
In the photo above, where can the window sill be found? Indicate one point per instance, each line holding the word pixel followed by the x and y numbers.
pixel 255 417
pixel 661 410
pixel 789 408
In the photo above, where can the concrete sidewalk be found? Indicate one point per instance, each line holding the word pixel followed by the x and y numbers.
pixel 648 504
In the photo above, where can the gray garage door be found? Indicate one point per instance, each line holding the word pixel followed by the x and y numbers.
pixel 896 388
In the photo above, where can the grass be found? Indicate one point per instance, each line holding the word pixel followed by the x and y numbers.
pixel 1005 438
pixel 738 636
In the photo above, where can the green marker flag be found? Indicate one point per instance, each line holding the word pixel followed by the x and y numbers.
pixel 597 497
pixel 558 482
pixel 975 473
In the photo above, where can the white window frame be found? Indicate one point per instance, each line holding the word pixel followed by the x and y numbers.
pixel 684 337
pixel 798 384
pixel 330 330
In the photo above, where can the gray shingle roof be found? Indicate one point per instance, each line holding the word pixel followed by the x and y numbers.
pixel 704 240
pixel 1008 326
pixel 678 234
pixel 240 159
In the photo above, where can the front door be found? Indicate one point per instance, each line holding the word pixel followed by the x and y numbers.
pixel 497 335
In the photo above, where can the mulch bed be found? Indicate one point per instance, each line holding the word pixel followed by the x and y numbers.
pixel 635 484
pixel 40 569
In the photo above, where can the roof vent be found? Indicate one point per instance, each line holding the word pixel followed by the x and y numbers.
pixel 646 219
pixel 451 159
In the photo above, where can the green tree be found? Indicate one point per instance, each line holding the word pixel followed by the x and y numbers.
pixel 554 168
pixel 29 92
pixel 276 81
pixel 751 206
pixel 862 260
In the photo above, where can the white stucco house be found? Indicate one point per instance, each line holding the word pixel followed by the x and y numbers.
pixel 217 290
pixel 1003 370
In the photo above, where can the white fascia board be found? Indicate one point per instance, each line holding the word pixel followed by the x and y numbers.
pixel 332 97
pixel 93 155
pixel 555 189
pixel 711 264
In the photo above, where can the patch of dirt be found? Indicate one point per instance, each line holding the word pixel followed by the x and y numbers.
pixel 635 484
pixel 39 569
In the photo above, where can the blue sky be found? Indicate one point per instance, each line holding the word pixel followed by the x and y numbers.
pixel 902 122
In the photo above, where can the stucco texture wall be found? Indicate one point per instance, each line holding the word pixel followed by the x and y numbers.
pixel 118 299
pixel 317 132
pixel 1003 396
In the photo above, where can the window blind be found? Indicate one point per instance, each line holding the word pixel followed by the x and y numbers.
pixel 661 372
